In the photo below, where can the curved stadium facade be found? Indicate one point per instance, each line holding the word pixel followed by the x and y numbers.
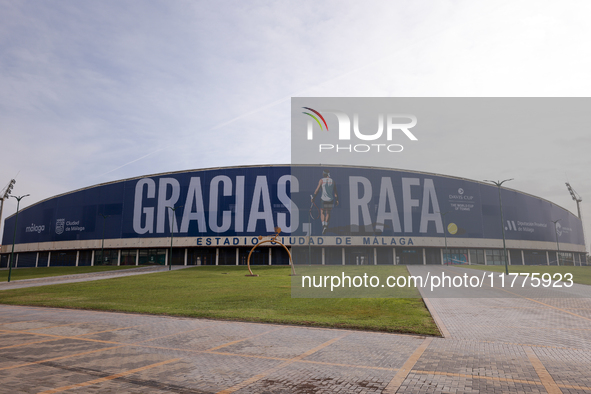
pixel 384 216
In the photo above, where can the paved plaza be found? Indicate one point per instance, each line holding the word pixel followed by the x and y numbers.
pixel 490 345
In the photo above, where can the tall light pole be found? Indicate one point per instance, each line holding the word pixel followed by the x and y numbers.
pixel 18 201
pixel 576 197
pixel 172 233
pixel 557 246
pixel 5 196
pixel 578 200
pixel 444 231
pixel 499 184
pixel 103 242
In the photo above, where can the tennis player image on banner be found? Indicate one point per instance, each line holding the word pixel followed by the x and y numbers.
pixel 328 198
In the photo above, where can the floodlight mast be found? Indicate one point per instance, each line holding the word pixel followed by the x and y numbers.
pixel 6 194
pixel 578 200
pixel 575 197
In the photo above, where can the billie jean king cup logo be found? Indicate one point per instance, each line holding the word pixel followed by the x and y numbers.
pixel 345 131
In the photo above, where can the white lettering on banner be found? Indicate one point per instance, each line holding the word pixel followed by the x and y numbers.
pixel 213 204
pixel 387 197
pixel 152 197
pixel 528 227
pixel 261 194
pixel 164 203
pixel 408 202
pixel 536 224
pixel 461 201
pixel 239 207
pixel 33 228
pixel 194 199
pixel 287 202
pixel 139 212
pixel 326 241
pixel 430 199
pixel 359 200
pixel 150 206
pixel 386 241
pixel 75 228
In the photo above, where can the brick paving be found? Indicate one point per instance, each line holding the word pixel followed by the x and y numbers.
pixel 492 345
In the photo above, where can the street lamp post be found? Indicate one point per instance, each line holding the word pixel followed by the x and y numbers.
pixel 103 241
pixel 499 184
pixel 172 233
pixel 557 245
pixel 18 201
pixel 444 232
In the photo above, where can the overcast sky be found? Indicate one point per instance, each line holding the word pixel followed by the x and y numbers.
pixel 97 91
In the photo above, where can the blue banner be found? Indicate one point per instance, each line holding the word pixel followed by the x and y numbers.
pixel 335 201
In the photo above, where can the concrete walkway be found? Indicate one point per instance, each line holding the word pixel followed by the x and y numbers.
pixel 56 280
pixel 491 345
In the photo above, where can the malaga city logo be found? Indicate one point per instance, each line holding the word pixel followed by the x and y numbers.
pixel 392 124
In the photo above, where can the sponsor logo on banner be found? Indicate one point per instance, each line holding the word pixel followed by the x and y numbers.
pixel 558 229
pixel 511 226
pixel 74 226
pixel 461 201
pixel 34 228
pixel 59 226
pixel 526 227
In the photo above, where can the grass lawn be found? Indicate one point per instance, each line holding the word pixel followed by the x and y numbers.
pixel 581 275
pixel 225 293
pixel 31 273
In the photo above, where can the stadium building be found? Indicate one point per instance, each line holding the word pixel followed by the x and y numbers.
pixel 358 215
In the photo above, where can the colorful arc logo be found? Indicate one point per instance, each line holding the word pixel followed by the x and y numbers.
pixel 315 118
